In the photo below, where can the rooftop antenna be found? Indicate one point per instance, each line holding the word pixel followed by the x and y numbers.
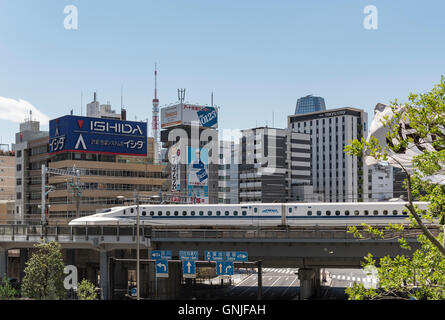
pixel 212 98
pixel 122 97
pixel 81 103
pixel 181 95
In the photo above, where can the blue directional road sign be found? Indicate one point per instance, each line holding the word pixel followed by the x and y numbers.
pixel 188 269
pixel 161 255
pixel 236 256
pixel 224 268
pixel 215 255
pixel 162 268
pixel 188 255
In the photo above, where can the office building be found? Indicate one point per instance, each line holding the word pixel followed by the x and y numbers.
pixel 228 173
pixel 310 104
pixel 7 175
pixel 380 182
pixel 336 176
pixel 275 165
pixel 194 141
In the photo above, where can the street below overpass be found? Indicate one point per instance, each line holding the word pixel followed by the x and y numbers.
pixel 282 284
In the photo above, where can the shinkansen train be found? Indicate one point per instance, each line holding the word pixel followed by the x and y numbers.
pixel 256 214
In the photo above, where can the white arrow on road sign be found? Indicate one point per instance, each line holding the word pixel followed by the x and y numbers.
pixel 161 265
pixel 228 267
pixel 188 266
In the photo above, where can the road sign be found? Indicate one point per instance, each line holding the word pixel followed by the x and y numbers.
pixel 215 255
pixel 188 255
pixel 162 268
pixel 189 269
pixel 161 255
pixel 224 268
pixel 236 256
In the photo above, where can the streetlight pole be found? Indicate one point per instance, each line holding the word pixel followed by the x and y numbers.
pixel 137 245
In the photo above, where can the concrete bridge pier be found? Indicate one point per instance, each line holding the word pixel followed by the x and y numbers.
pixel 3 263
pixel 103 269
pixel 168 288
pixel 309 282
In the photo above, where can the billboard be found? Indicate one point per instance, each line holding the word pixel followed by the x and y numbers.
pixel 187 114
pixel 97 135
pixel 175 156
pixel 198 177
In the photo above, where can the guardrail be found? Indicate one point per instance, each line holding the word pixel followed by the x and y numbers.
pixel 13 232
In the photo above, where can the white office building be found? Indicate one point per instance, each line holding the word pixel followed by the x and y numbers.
pixel 228 173
pixel 380 182
pixel 336 176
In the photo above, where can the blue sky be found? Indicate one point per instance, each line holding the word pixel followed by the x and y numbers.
pixel 258 57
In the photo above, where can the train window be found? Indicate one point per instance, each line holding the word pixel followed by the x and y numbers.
pixel 366 212
pixel 192 213
pixel 131 210
pixel 309 213
pixel 167 213
pixel 176 213
pixel 318 213
pixel 375 212
pixel 226 213
pixel 218 213
pixel 184 213
pixel 201 213
pixel 337 212
pixel 152 213
pixel 385 212
pixel 405 212
pixel 244 212
pixel 356 212
pixel 255 210
pixel 394 212
pixel 290 210
pixel 159 213
pixel 124 212
pixel 144 213
pixel 328 213
pixel 209 213
pixel 235 213
pixel 347 213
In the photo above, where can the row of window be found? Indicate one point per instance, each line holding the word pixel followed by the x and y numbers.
pixel 191 213
pixel 356 212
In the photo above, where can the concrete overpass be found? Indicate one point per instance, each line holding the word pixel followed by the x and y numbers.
pixel 308 248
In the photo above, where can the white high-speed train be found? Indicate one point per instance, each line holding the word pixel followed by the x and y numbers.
pixel 256 214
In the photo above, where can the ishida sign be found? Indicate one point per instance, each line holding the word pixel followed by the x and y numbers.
pixel 97 135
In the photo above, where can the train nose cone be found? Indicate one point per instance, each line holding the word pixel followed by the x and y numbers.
pixel 98 220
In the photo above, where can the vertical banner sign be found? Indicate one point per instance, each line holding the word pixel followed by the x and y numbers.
pixel 198 178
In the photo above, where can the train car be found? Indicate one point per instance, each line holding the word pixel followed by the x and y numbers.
pixel 252 214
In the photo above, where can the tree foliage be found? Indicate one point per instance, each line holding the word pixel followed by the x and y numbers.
pixel 421 275
pixel 44 275
pixel 86 290
pixel 7 292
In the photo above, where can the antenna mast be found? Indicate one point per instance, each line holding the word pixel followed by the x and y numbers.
pixel 155 119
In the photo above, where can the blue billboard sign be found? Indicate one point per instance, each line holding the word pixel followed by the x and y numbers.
pixel 188 255
pixel 208 117
pixel 97 135
pixel 161 255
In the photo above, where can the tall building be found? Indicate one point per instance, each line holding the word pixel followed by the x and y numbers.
pixel 194 141
pixel 228 173
pixel 310 104
pixel 336 176
pixel 275 165
pixel 7 175
pixel 31 152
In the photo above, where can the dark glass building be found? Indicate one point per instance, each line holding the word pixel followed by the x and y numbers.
pixel 310 104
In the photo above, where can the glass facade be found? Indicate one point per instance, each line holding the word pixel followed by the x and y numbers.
pixel 310 104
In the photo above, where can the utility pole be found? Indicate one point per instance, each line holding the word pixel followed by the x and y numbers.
pixel 43 217
pixel 136 198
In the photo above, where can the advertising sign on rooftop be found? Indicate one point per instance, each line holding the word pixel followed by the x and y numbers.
pixel 187 114
pixel 97 135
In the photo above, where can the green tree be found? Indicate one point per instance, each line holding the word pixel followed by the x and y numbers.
pixel 421 275
pixel 44 275
pixel 7 292
pixel 86 290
